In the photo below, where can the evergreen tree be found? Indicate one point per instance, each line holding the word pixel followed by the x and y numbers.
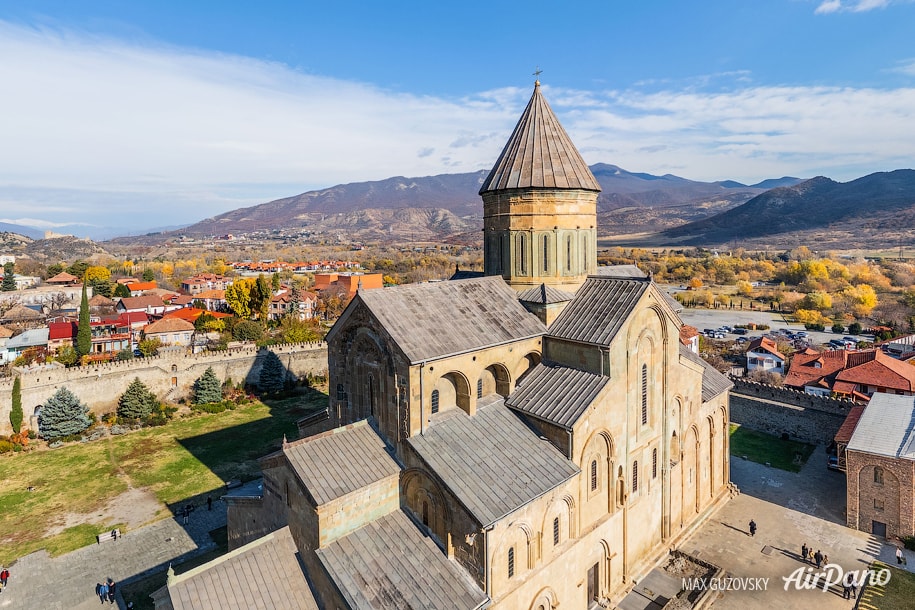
pixel 207 388
pixel 148 275
pixel 275 281
pixel 62 415
pixel 272 378
pixel 9 278
pixel 121 290
pixel 16 411
pixel 83 329
pixel 55 269
pixel 137 401
pixel 102 287
pixel 78 269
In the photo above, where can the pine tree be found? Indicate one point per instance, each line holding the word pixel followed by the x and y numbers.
pixel 16 410
pixel 207 388
pixel 62 415
pixel 9 278
pixel 137 401
pixel 272 378
pixel 148 275
pixel 83 330
pixel 121 290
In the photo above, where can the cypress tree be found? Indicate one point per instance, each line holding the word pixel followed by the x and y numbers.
pixel 83 329
pixel 16 410
pixel 62 415
pixel 207 388
pixel 137 401
pixel 272 378
pixel 9 278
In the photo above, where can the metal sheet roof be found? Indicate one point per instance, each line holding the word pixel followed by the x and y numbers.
pixel 620 271
pixel 713 382
pixel 340 461
pixel 265 573
pixel 887 427
pixel 539 154
pixel 492 462
pixel 439 319
pixel 390 564
pixel 545 295
pixel 556 393
pixel 599 309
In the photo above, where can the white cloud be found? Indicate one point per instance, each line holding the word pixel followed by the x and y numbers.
pixel 852 6
pixel 112 133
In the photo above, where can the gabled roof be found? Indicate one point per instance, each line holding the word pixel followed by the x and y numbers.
pixel 433 320
pixel 341 461
pixel 687 333
pixel 30 338
pixel 21 312
pixel 61 330
pixel 62 278
pixel 99 300
pixel 139 286
pixel 129 318
pixel 5 332
pixel 491 462
pixel 183 299
pixel 557 394
pixel 545 295
pixel 168 325
pixel 599 309
pixel 141 302
pixel 213 293
pixel 620 271
pixel 389 564
pixel 887 427
pixel 713 382
pixel 848 426
pixel 539 154
pixel 265 573
pixel 840 370
pixel 765 345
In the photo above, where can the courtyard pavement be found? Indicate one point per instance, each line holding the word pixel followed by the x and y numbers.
pixel 68 582
pixel 790 509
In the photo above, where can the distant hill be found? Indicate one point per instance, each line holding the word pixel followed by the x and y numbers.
pixel 879 206
pixel 6 227
pixel 443 206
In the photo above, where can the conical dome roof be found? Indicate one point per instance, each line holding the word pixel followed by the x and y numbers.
pixel 539 154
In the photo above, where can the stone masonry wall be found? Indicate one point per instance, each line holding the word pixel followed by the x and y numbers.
pixel 170 376
pixel 777 410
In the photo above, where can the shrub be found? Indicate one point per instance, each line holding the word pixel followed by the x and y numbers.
pixel 248 330
pixel 838 328
pixel 816 327
pixel 6 446
pixel 125 354
pixel 210 407
pixel 63 415
pixel 909 542
pixel 854 328
pixel 137 401
pixel 207 388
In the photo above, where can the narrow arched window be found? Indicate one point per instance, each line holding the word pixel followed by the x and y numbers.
pixel 569 253
pixel 522 253
pixel 546 253
pixel 644 394
pixel 339 391
pixel 878 475
pixel 654 463
pixel 593 475
pixel 371 395
pixel 426 514
pixel 511 562
pixel 479 388
pixel 584 253
pixel 435 401
pixel 555 531
pixel 635 477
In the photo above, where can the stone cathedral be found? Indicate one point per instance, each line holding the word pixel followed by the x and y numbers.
pixel 531 436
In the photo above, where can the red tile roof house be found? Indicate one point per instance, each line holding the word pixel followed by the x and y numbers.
pixel 138 288
pixel 281 303
pixel 108 336
pixel 170 331
pixel 763 354
pixel 63 279
pixel 151 305
pixel 857 375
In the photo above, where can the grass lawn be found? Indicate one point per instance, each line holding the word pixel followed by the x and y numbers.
pixel 898 594
pixel 765 448
pixel 186 458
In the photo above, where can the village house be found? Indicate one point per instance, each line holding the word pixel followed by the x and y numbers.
pixel 108 336
pixel 34 338
pixel 140 288
pixel 63 279
pixel 5 335
pixel 763 354
pixel 170 331
pixel 205 281
pixel 282 302
pixel 23 317
pixel 348 282
pixel 150 305
pixel 856 375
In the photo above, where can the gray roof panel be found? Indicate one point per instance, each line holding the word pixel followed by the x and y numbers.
pixel 389 564
pixel 340 461
pixel 887 427
pixel 713 382
pixel 556 393
pixel 599 309
pixel 270 561
pixel 621 271
pixel 539 154
pixel 438 319
pixel 492 462
pixel 545 295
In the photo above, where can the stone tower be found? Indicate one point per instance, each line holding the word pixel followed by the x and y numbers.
pixel 540 206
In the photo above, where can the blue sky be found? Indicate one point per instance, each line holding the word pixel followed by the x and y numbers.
pixel 136 115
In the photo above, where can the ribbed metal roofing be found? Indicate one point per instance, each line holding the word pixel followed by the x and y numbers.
pixel 599 309
pixel 492 462
pixel 713 382
pixel 545 295
pixel 887 427
pixel 539 154
pixel 389 564
pixel 556 393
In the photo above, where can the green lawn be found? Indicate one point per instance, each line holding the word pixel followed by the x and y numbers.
pixel 178 462
pixel 898 594
pixel 768 449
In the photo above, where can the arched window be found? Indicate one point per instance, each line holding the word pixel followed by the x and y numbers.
pixel 654 463
pixel 435 401
pixel 522 246
pixel 425 513
pixel 339 391
pixel 635 477
pixel 479 388
pixel 555 531
pixel 546 253
pixel 569 253
pixel 584 253
pixel 878 475
pixel 511 562
pixel 644 394
pixel 371 395
pixel 593 475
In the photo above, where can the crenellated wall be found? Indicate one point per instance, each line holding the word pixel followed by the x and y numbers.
pixel 168 376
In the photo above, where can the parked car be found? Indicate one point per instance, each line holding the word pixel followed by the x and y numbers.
pixel 739 331
pixel 833 462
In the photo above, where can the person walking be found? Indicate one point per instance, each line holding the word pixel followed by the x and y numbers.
pixel 818 558
pixel 752 528
pixel 804 551
pixel 209 502
pixel 187 513
pixel 854 589
pixel 4 576
pixel 103 592
pixel 899 556
pixel 111 591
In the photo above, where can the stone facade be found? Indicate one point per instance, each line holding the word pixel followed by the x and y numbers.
pixel 881 494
